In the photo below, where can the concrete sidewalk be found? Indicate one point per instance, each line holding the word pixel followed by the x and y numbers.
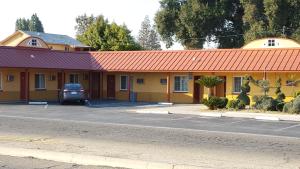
pixel 201 110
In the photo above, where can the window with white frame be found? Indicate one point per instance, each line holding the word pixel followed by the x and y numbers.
pixel 271 42
pixel 237 84
pixel 74 78
pixel 33 42
pixel 123 82
pixel 40 81
pixel 181 84
pixel 0 81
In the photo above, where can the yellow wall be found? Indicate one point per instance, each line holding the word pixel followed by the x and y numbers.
pixel 61 47
pixel 280 43
pixel 11 89
pixel 150 91
pixel 15 39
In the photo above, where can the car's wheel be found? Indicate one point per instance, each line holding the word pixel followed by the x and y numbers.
pixel 82 102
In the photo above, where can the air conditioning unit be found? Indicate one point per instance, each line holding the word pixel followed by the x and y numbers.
pixel 10 78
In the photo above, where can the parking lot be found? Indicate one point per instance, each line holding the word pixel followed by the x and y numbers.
pixel 123 113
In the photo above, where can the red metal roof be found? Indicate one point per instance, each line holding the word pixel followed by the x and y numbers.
pixel 219 60
pixel 19 57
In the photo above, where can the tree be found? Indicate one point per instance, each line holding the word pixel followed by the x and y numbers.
pixel 271 18
pixel 193 22
pixel 148 37
pixel 83 22
pixel 22 24
pixel 34 24
pixel 229 23
pixel 210 82
pixel 105 36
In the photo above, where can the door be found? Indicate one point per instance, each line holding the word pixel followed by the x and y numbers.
pixel 23 86
pixel 221 88
pixel 198 91
pixel 111 87
pixel 95 85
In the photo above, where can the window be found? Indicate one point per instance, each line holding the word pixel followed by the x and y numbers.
pixel 163 81
pixel 74 78
pixel 0 81
pixel 140 81
pixel 123 82
pixel 181 84
pixel 237 84
pixel 33 42
pixel 40 81
pixel 271 42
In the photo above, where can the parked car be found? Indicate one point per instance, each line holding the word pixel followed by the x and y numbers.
pixel 72 92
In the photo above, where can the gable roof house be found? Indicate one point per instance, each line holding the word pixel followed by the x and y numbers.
pixel 43 40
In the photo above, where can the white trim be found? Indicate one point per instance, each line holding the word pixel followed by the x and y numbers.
pixel 233 84
pixel 44 81
pixel 127 81
pixel 181 91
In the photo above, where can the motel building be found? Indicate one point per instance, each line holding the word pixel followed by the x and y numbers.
pixel 34 72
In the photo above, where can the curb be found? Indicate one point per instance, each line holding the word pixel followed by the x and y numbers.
pixel 153 111
pixel 267 118
pixel 92 160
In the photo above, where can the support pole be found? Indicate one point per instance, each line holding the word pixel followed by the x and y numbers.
pixel 168 88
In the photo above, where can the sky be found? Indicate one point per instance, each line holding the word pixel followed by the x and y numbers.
pixel 58 16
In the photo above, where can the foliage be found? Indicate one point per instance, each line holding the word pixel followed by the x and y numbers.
pixel 210 82
pixel 83 22
pixel 293 106
pixel 236 104
pixel 214 102
pixel 148 37
pixel 270 18
pixel 22 24
pixel 279 95
pixel 105 36
pixel 265 103
pixel 192 22
pixel 34 24
pixel 230 23
pixel 245 89
pixel 263 84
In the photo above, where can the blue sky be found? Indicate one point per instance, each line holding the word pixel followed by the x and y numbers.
pixel 58 16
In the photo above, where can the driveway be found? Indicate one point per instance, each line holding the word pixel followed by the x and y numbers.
pixel 124 113
pixel 115 131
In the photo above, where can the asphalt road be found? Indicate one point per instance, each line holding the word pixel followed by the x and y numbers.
pixel 202 141
pixel 7 162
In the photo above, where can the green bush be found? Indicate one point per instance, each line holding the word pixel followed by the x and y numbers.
pixel 214 102
pixel 297 94
pixel 266 103
pixel 245 89
pixel 287 108
pixel 222 102
pixel 236 104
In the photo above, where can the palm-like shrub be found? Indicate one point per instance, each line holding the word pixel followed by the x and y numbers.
pixel 210 82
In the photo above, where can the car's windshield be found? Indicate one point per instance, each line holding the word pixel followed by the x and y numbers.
pixel 73 86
